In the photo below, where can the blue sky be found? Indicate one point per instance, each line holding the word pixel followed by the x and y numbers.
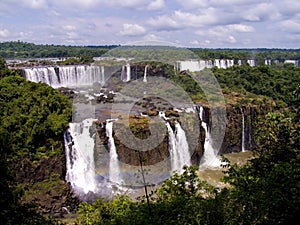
pixel 187 23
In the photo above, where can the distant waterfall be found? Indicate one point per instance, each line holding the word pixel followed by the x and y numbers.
pixel 102 75
pixel 198 65
pixel 114 167
pixel 145 74
pixel 66 76
pixel 251 62
pixel 123 77
pixel 128 72
pixel 178 147
pixel 250 132
pixel 243 131
pixel 80 164
pixel 209 158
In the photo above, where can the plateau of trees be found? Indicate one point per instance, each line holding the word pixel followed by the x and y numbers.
pixel 278 82
pixel 259 54
pixel 19 49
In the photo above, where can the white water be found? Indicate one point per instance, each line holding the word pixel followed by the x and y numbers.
pixel 243 131
pixel 251 62
pixel 128 72
pixel 123 74
pixel 114 167
pixel 66 76
pixel 178 147
pixel 198 65
pixel 80 157
pixel 209 158
pixel 145 74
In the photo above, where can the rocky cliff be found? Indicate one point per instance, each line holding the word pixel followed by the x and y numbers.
pixel 43 184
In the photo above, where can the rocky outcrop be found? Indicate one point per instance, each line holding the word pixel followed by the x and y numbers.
pixel 152 153
pixel 45 186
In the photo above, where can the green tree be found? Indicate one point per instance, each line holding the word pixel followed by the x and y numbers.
pixel 32 119
pixel 266 190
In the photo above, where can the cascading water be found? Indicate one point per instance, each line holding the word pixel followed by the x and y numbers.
pixel 145 74
pixel 128 72
pixel 182 146
pixel 80 163
pixel 243 131
pixel 198 65
pixel 178 147
pixel 209 158
pixel 114 167
pixel 102 75
pixel 123 74
pixel 250 132
pixel 66 76
pixel 251 62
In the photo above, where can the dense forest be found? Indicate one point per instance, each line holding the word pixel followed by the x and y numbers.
pixel 19 49
pixel 14 50
pixel 266 190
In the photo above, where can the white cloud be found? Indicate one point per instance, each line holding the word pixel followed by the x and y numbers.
pixel 292 26
pixel 240 28
pixel 4 33
pixel 126 3
pixel 179 20
pixel 195 42
pixel 261 12
pixel 156 5
pixel 72 35
pixel 224 34
pixel 225 30
pixel 231 39
pixel 196 4
pixel 151 37
pixel 132 30
pixel 69 27
pixel 35 4
pixel 82 4
pixel 206 42
pixel 164 23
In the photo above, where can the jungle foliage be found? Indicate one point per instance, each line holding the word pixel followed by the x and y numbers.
pixel 19 49
pixel 33 118
pixel 277 82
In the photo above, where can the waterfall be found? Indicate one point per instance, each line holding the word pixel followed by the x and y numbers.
pixel 251 62
pixel 128 72
pixel 44 74
pixel 145 74
pixel 123 74
pixel 182 146
pixel 102 75
pixel 223 63
pixel 66 76
pixel 209 158
pixel 79 143
pixel 114 167
pixel 243 131
pixel 250 132
pixel 178 147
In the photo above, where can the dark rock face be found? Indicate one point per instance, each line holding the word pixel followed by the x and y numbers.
pixel 150 155
pixel 237 134
pixel 45 185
